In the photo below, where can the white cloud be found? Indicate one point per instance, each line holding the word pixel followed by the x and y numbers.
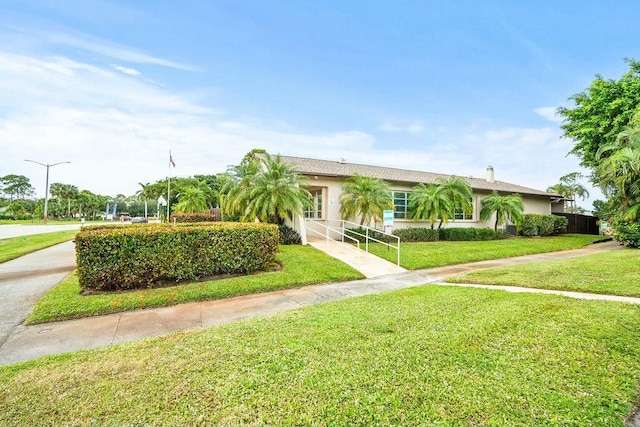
pixel 126 70
pixel 549 113
pixel 117 132
pixel 413 128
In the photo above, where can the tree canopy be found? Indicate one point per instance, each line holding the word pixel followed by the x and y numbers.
pixel 505 207
pixel 600 113
pixel 365 197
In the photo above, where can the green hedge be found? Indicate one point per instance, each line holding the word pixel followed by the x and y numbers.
pixel 149 255
pixel 469 234
pixel 542 225
pixel 193 217
pixel 417 234
pixel 628 234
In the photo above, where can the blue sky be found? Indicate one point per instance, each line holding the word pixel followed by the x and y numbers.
pixel 439 86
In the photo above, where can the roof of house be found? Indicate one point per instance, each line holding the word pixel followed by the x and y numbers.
pixel 330 168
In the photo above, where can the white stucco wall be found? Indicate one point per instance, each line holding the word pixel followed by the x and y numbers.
pixel 331 190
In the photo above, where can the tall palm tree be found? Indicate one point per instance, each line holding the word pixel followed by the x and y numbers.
pixel 274 193
pixel 191 200
pixel 505 208
pixel 430 202
pixel 366 197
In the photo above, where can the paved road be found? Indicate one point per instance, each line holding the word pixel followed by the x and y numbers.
pixel 24 280
pixel 16 230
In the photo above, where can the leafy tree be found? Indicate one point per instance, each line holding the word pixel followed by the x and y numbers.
pixel 504 207
pixel 366 197
pixel 618 172
pixel 16 187
pixel 601 113
pixel 64 191
pixel 274 193
pixel 236 181
pixel 430 202
pixel 603 210
pixel 191 200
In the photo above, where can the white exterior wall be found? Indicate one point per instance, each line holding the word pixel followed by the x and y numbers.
pixel 331 190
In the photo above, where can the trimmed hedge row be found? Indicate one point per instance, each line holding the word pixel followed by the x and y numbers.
pixel 469 234
pixel 542 225
pixel 423 234
pixel 119 258
pixel 194 217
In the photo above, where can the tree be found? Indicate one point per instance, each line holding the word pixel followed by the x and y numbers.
pixel 430 202
pixel 191 199
pixel 16 187
pixel 366 197
pixel 504 207
pixel 274 193
pixel 64 191
pixel 236 181
pixel 570 188
pixel 601 113
pixel 618 172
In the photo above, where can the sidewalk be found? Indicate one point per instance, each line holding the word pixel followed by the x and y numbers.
pixel 25 343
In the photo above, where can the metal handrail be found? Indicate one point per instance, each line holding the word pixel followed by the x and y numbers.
pixel 341 230
pixel 327 237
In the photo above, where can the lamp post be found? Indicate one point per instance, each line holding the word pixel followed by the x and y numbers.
pixel 46 188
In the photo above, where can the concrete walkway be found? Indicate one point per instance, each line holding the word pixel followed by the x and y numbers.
pixel 369 265
pixel 25 343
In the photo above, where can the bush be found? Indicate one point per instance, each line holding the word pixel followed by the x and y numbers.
pixel 149 255
pixel 360 234
pixel 469 234
pixel 418 234
pixel 560 224
pixel 193 217
pixel 289 236
pixel 628 234
pixel 541 225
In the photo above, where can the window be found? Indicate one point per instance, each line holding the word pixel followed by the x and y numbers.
pixel 314 212
pixel 400 204
pixel 463 214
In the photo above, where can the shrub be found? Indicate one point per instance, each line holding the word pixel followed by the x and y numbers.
pixel 193 217
pixel 540 225
pixel 417 234
pixel 149 255
pixel 289 236
pixel 628 234
pixel 360 234
pixel 560 224
pixel 468 234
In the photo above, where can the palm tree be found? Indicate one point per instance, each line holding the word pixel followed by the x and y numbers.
pixel 459 192
pixel 430 202
pixel 505 208
pixel 618 172
pixel 365 197
pixel 191 200
pixel 274 193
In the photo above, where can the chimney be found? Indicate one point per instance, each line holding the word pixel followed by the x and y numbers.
pixel 490 174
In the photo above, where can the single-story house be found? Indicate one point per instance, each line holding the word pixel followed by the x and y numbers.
pixel 325 178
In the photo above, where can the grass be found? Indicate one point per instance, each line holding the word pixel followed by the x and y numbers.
pixel 302 265
pixel 15 247
pixel 422 356
pixel 612 273
pixel 415 256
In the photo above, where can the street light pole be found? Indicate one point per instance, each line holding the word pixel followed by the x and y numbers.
pixel 46 188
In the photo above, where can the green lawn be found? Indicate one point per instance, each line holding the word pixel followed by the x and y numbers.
pixel 415 256
pixel 422 356
pixel 15 247
pixel 302 265
pixel 613 273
